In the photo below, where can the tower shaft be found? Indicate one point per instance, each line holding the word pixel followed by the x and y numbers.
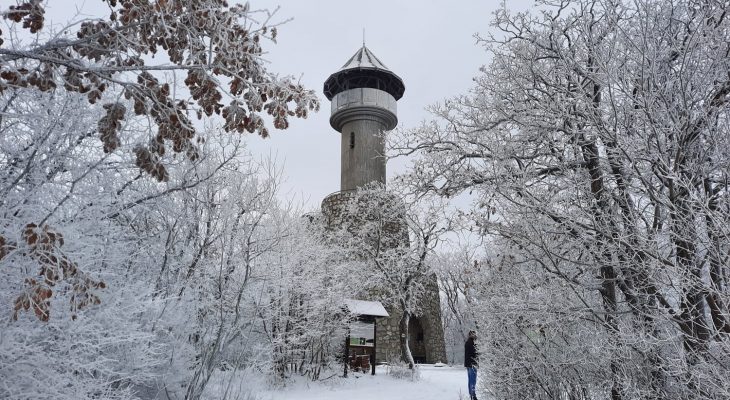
pixel 361 115
pixel 362 154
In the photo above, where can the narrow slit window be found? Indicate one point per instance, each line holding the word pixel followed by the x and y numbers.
pixel 352 140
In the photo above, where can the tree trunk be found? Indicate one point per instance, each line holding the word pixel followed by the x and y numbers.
pixel 692 305
pixel 602 215
pixel 404 346
pixel 718 309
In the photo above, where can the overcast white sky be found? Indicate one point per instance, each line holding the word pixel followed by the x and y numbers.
pixel 429 44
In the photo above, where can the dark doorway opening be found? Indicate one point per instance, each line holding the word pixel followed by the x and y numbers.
pixel 416 340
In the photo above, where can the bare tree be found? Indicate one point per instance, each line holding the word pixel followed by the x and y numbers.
pixel 594 146
pixel 217 47
pixel 117 285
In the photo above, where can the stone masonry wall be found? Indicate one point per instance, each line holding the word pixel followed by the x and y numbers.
pixel 388 344
pixel 433 333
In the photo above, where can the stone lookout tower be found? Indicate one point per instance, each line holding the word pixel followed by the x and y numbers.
pixel 364 93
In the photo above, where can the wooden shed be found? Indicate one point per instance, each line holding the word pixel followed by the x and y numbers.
pixel 362 335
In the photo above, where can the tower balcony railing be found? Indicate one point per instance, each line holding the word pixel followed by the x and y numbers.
pixel 364 97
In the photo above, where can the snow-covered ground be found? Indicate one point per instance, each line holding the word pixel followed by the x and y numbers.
pixel 436 383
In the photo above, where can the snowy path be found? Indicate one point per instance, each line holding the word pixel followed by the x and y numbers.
pixel 444 383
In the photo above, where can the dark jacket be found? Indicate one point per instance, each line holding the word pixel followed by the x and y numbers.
pixel 470 354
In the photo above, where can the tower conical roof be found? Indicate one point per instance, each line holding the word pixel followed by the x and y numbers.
pixel 364 58
pixel 364 69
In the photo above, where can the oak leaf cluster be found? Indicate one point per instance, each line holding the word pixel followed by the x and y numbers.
pixel 43 245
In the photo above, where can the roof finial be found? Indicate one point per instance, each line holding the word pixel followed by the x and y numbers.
pixel 363 37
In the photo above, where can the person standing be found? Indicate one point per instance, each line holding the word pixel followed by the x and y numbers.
pixel 471 363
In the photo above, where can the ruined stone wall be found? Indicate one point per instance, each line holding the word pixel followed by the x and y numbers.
pixel 430 320
pixel 432 324
pixel 388 344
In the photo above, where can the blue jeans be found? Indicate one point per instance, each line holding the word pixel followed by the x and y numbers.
pixel 472 373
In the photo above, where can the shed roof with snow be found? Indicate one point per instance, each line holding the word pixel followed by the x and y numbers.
pixel 366 308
